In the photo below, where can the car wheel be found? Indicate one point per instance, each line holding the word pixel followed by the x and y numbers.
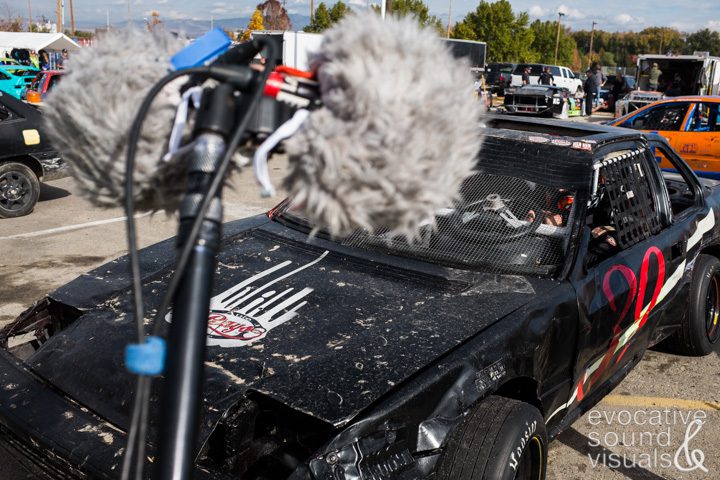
pixel 700 329
pixel 19 190
pixel 500 439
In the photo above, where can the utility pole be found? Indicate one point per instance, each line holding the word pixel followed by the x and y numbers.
pixel 662 38
pixel 129 15
pixel 212 22
pixel 557 39
pixel 449 17
pixel 29 17
pixel 312 14
pixel 59 21
pixel 592 37
pixel 72 19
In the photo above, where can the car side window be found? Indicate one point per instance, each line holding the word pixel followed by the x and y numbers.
pixel 5 113
pixel 555 71
pixel 704 118
pixel 623 209
pixel 4 77
pixel 680 193
pixel 668 117
pixel 52 82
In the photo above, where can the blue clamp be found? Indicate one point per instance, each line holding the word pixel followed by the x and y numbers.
pixel 202 50
pixel 147 358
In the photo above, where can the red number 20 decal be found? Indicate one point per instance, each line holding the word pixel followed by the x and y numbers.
pixel 635 294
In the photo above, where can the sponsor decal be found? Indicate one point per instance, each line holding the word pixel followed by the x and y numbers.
pixel 536 139
pixel 587 146
pixel 689 148
pixel 248 311
pixel 561 143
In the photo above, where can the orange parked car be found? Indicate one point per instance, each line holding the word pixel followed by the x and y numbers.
pixel 690 124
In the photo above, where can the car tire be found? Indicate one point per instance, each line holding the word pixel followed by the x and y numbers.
pixel 700 329
pixel 19 190
pixel 500 439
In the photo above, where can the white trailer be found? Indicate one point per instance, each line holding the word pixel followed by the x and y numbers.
pixel 294 48
pixel 698 74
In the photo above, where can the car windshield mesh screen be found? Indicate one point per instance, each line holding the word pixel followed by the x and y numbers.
pixel 514 216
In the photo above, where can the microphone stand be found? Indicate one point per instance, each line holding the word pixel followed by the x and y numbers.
pixel 181 398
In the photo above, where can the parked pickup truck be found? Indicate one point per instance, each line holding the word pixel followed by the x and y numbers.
pixel 26 157
pixel 563 76
pixel 458 356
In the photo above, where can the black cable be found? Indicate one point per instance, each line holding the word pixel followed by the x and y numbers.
pixel 138 427
pixel 212 190
pixel 135 448
pixel 136 128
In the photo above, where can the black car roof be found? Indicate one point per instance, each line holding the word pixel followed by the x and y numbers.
pixel 523 128
pixel 556 153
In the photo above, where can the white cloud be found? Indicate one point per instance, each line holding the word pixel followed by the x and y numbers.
pixel 571 13
pixel 624 19
pixel 537 11
pixel 162 2
pixel 176 15
pixel 713 25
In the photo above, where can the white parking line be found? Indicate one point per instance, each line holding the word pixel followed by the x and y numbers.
pixel 69 228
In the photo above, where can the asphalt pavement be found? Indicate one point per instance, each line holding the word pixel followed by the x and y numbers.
pixel 641 431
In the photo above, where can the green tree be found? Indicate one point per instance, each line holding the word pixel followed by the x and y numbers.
pixel 661 40
pixel 338 11
pixel 607 59
pixel 417 9
pixel 704 40
pixel 543 44
pixel 507 35
pixel 321 19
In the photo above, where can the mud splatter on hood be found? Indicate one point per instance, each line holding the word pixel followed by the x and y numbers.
pixel 310 325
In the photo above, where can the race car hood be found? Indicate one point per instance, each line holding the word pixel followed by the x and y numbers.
pixel 319 327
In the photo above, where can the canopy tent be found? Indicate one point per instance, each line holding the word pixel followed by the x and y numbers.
pixel 52 42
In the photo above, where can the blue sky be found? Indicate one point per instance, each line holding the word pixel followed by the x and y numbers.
pixel 613 15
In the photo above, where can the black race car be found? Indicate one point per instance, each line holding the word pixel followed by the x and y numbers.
pixel 570 254
pixel 543 100
pixel 26 157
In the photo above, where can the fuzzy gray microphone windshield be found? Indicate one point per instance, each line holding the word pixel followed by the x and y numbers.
pixel 397 134
pixel 90 112
pixel 395 137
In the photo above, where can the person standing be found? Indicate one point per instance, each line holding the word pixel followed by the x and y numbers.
pixel 599 80
pixel 589 86
pixel 654 79
pixel 44 60
pixel 526 75
pixel 546 78
pixel 62 59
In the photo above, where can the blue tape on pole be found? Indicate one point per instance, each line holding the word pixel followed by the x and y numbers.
pixel 147 358
pixel 202 50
